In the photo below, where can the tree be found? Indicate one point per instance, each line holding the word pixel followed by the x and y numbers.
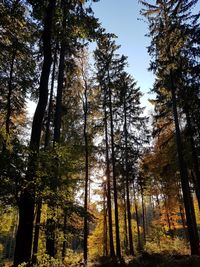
pixel 108 65
pixel 165 19
pixel 27 198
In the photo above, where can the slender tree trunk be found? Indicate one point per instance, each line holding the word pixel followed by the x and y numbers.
pixel 143 216
pixel 85 108
pixel 64 242
pixel 188 202
pixel 112 252
pixel 37 232
pixel 105 247
pixel 118 249
pixel 125 221
pixel 27 199
pixel 137 221
pixel 131 251
pixel 50 106
pixel 58 112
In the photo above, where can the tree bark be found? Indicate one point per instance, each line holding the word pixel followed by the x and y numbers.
pixel 27 198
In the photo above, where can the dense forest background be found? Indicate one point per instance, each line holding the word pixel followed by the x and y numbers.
pixel 91 180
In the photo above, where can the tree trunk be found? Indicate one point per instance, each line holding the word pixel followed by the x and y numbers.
pixel 58 112
pixel 47 140
pixel 50 106
pixel 125 220
pixel 50 237
pixel 26 203
pixel 37 232
pixel 105 247
pixel 137 221
pixel 64 242
pixel 143 216
pixel 112 251
pixel 118 249
pixel 85 108
pixel 188 202
pixel 131 251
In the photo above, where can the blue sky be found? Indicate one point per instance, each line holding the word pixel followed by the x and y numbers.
pixel 122 18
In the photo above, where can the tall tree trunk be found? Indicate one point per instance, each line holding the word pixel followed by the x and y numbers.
pixel 50 236
pixel 85 108
pixel 47 139
pixel 131 251
pixel 188 202
pixel 112 251
pixel 118 249
pixel 27 197
pixel 61 70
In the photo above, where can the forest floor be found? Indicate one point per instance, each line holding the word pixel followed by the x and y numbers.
pixel 143 260
pixel 151 260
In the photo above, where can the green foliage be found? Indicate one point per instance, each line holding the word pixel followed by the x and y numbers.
pixel 166 245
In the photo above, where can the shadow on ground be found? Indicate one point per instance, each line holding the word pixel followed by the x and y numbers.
pixel 151 260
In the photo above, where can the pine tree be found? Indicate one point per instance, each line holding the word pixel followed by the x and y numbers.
pixel 166 19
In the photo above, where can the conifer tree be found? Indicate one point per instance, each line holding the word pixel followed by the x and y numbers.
pixel 166 21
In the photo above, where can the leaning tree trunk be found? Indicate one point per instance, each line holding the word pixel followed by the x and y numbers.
pixel 187 198
pixel 27 198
